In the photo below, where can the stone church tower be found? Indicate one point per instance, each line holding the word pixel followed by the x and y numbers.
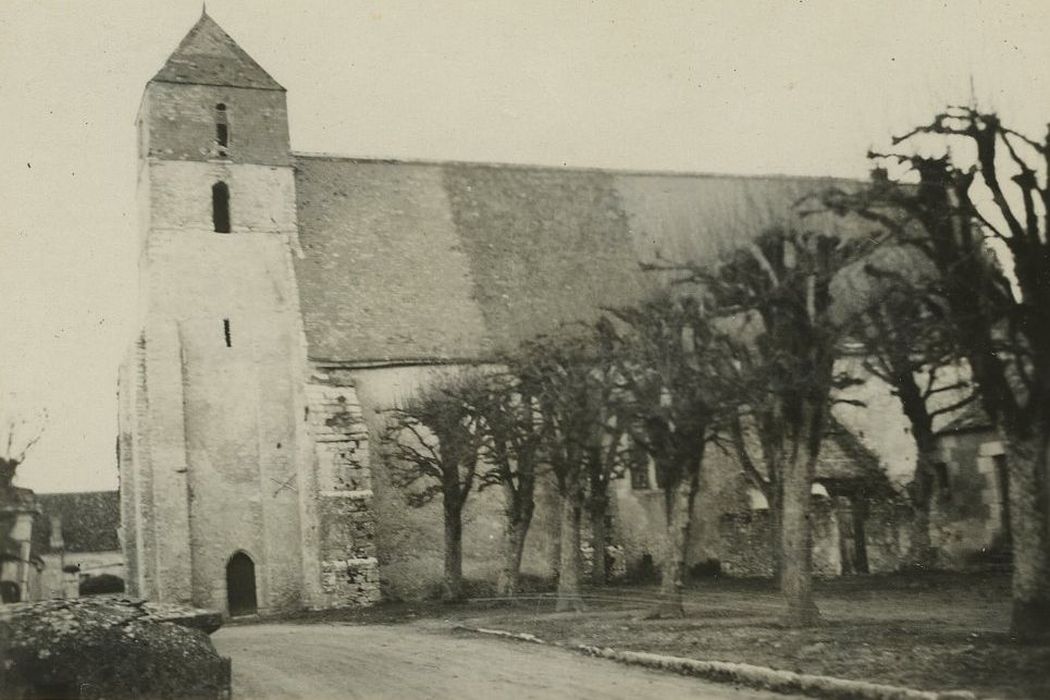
pixel 244 476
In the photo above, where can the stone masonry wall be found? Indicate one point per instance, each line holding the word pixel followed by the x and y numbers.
pixel 966 509
pixel 129 521
pixel 410 540
pixel 179 121
pixel 747 542
pixel 345 518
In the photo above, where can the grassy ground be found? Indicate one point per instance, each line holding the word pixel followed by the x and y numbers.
pixel 935 631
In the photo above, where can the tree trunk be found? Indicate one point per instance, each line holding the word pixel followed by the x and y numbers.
pixel 776 517
pixel 569 567
pixel 859 514
pixel 796 540
pixel 553 504
pixel 515 529
pixel 599 508
pixel 678 520
pixel 452 584
pixel 921 552
pixel 1028 463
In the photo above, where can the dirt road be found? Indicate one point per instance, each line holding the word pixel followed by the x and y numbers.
pixel 373 661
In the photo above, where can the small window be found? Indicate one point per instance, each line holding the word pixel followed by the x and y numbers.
pixel 638 462
pixel 943 485
pixel 226 332
pixel 222 129
pixel 220 207
pixel 640 477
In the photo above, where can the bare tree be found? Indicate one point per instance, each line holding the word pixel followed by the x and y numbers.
pixel 569 394
pixel 435 442
pixel 909 345
pixel 670 404
pixel 606 456
pixel 983 200
pixel 20 434
pixel 779 291
pixel 513 431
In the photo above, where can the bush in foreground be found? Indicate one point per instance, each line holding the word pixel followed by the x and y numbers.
pixel 105 647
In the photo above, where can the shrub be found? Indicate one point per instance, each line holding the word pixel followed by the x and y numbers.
pixel 103 583
pixel 103 647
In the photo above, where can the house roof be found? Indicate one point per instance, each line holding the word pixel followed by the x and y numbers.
pixel 845 465
pixel 89 521
pixel 17 500
pixel 972 418
pixel 417 261
pixel 208 56
pixel 843 458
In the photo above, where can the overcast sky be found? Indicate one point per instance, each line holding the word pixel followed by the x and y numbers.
pixel 730 87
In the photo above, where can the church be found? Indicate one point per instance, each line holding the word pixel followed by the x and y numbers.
pixel 287 299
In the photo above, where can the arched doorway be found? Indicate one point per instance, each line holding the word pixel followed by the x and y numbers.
pixel 240 585
pixel 10 592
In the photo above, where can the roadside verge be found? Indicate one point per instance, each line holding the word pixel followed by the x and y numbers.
pixel 743 674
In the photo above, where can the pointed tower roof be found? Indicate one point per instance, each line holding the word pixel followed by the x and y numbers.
pixel 208 56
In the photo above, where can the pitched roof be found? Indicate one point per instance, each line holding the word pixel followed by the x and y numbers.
pixel 414 261
pixel 972 418
pixel 843 458
pixel 89 521
pixel 208 56
pixel 845 465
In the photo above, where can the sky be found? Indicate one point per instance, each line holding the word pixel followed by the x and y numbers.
pixel 798 88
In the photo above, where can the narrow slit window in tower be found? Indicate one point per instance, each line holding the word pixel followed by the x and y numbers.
pixel 226 332
pixel 220 207
pixel 222 129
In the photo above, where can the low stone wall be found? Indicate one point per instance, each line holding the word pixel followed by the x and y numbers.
pixel 888 529
pixel 747 546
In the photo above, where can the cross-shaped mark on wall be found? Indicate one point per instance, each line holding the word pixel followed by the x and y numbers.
pixel 284 485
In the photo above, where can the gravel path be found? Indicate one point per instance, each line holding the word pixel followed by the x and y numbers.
pixel 373 661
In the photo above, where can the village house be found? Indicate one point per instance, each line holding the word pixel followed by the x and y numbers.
pixel 77 538
pixel 59 545
pixel 969 509
pixel 18 566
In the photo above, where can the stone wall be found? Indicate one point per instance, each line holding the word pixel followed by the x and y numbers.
pixel 349 568
pixel 827 541
pixel 966 509
pixel 130 391
pixel 178 121
pixel 55 583
pixel 747 544
pixel 639 526
pixel 410 545
pixel 410 540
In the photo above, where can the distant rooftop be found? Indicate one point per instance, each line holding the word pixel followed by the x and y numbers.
pixel 972 418
pixel 89 521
